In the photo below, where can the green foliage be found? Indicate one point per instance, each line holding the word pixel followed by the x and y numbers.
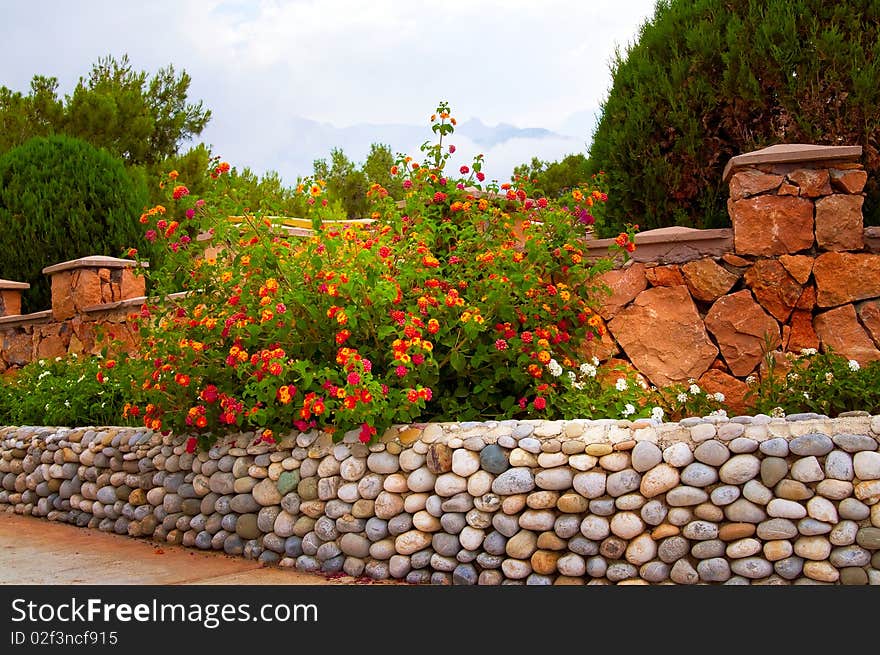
pixel 74 391
pixel 60 199
pixel 554 179
pixel 711 79
pixel 451 306
pixel 825 382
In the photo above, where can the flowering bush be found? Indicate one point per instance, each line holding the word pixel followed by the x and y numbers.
pixel 66 391
pixel 457 302
pixel 824 382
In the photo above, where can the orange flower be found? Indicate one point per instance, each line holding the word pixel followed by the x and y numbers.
pixel 173 175
pixel 182 379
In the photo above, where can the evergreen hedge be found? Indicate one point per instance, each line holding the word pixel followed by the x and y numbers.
pixel 710 79
pixel 61 198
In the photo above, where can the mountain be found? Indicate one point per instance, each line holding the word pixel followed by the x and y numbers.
pixel 295 143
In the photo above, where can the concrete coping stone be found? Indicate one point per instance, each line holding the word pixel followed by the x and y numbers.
pixel 93 261
pixel 11 284
pixel 788 153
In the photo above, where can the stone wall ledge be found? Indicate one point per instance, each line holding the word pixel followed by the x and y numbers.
pixel 746 500
pixel 670 245
pixel 92 261
pixel 20 320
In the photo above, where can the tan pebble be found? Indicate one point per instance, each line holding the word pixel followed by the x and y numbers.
pixel 709 512
pixel 409 435
pixel 568 580
pixel 550 460
pixel 777 549
pixel 734 531
pixel 425 522
pixel 513 504
pixel 813 548
pixel 572 446
pixel 551 541
pixel 542 499
pixel 615 461
pixel 598 449
pixel 544 561
pixel 572 503
pixel 821 571
pixel 520 457
pixel 629 444
pixel 665 530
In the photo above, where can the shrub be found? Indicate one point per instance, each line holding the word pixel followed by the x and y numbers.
pixel 71 391
pixel 711 79
pixel 456 304
pixel 60 199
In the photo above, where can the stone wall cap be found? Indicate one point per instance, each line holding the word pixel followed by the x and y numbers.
pixel 15 319
pixel 673 234
pixel 10 284
pixel 787 153
pixel 93 261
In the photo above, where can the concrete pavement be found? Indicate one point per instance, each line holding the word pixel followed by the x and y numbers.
pixel 40 552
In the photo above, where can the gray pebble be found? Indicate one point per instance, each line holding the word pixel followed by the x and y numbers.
pixel 776 447
pixel 716 569
pixel 811 444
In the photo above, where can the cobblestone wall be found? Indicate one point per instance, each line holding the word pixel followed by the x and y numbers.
pixel 746 500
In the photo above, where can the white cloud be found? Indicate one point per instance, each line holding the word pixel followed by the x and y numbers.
pixel 260 66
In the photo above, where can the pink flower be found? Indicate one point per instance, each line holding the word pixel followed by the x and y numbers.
pixel 280 308
pixel 480 176
pixel 367 364
pixel 418 359
pixel 151 235
pixel 401 370
pixel 540 402
pixel 500 344
pixel 185 239
pixel 464 170
pixel 354 378
pixel 190 213
pixel 200 202
pixel 451 149
pixel 407 184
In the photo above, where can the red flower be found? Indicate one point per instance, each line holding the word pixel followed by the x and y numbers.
pixel 179 192
pixel 540 402
pixel 191 445
pixel 367 432
pixel 480 176
pixel 500 344
pixel 464 170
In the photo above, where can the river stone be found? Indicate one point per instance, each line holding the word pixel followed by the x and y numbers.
pixel 714 569
pixel 583 546
pixel 678 455
pixel 567 525
pixel 522 545
pixel 654 571
pixel 572 503
pixel 641 549
pixel 777 528
pixel 645 455
pixel 734 531
pixel 590 484
pixel 449 484
pixel 790 567
pixel 626 525
pixel 623 482
pixel 850 556
pixel 410 542
pixel 777 549
pixel 773 469
pixel 672 549
pixel 596 567
pixel 520 457
pixel 739 469
pixel 400 524
pixel 811 444
pixel 834 489
pixel 556 479
pixel 679 516
pixel 853 443
pixel 844 533
pixel 821 571
pixel 653 512
pixel 618 571
pixel 246 526
pixel 853 576
pixel 514 481
pixel 856 510
pixel 712 452
pixel 753 568
pixel 542 499
pixel 724 495
pixel 822 509
pixel 700 530
pixel 465 462
pixel 699 475
pixel 571 564
pixel 868 537
pixel 793 490
pixel 244 503
pixel 686 496
pixel 658 480
pixel 493 459
pixel 383 463
pixel 595 527
pixel 787 509
pixel 776 447
pixel 266 493
pixel 807 469
pixel 866 465
pixel 683 573
pixel 582 462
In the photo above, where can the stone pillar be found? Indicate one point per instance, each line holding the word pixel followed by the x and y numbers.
pixel 792 198
pixel 10 297
pixel 87 282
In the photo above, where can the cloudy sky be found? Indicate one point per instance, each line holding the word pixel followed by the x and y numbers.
pixel 287 80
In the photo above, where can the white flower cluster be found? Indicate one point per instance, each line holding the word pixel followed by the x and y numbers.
pixel 628 410
pixel 808 351
pixel 657 414
pixel 682 397
pixel 694 389
pixel 621 385
pixel 853 365
pixel 718 396
pixel 588 369
pixel 554 368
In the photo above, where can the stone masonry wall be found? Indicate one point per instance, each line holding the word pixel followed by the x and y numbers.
pixel 745 500
pixel 798 270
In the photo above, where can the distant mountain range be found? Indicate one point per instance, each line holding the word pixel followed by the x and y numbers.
pixel 297 142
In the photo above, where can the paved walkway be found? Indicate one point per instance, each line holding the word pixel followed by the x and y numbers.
pixel 37 551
